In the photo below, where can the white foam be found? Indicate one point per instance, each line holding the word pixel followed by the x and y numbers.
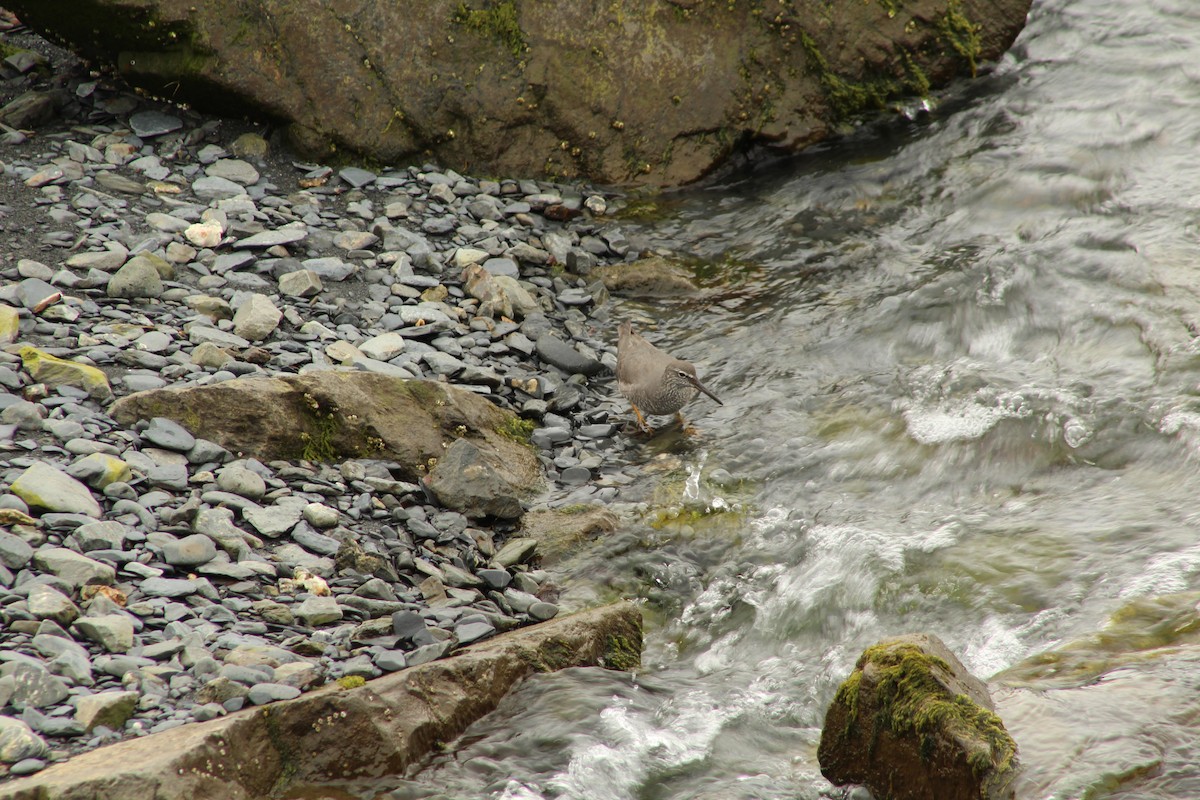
pixel 515 790
pixel 1165 573
pixel 630 746
pixel 951 422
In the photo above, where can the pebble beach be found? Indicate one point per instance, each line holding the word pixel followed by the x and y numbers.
pixel 148 247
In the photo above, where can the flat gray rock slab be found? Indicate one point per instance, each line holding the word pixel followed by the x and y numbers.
pixel 395 719
pixel 154 123
pixel 279 236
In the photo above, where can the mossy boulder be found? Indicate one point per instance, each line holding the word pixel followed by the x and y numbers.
pixel 910 723
pixel 336 415
pixel 619 92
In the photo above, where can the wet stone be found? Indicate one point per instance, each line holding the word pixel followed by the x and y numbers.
pixel 407 624
pixel 554 350
pixel 15 552
pixel 304 535
pixel 46 602
pixel 390 660
pixel 542 611
pixel 317 611
pixel 357 177
pixel 33 685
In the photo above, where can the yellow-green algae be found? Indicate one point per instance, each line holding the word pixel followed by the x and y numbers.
pixel 912 701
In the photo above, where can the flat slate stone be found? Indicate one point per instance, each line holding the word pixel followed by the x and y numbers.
pixel 154 123
pixel 263 693
pixel 169 434
pixel 168 587
pixel 279 236
pixel 357 177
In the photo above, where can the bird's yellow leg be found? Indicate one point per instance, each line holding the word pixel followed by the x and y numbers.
pixel 641 421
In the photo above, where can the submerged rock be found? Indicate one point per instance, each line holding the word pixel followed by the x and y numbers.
pixel 650 277
pixel 910 723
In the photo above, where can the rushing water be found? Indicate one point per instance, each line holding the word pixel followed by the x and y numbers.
pixel 960 360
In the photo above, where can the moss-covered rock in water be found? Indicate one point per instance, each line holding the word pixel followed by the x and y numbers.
pixel 563 531
pixel 910 723
pixel 1144 629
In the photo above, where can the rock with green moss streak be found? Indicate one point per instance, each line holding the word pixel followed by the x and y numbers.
pixel 335 414
pixel 54 371
pixel 1144 629
pixel 648 278
pixel 623 91
pixel 910 723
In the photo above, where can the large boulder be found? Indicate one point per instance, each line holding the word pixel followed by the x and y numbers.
pixel 652 92
pixel 910 723
pixel 332 415
pixel 393 723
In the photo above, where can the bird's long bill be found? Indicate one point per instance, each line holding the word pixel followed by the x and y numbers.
pixel 696 382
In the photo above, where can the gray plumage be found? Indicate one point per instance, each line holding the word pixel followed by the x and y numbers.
pixel 654 382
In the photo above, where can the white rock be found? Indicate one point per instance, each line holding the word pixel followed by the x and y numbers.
pixel 320 515
pixel 465 256
pixel 204 234
pixel 342 352
pixel 383 347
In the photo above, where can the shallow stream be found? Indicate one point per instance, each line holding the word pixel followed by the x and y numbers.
pixel 960 360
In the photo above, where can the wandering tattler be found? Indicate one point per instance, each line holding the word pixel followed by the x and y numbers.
pixel 653 381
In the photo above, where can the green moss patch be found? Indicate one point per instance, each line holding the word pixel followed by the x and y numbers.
pixel 496 21
pixel 517 429
pixel 961 34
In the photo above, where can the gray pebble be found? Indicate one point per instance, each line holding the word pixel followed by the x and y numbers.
pixel 169 434
pixel 542 611
pixel 263 693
